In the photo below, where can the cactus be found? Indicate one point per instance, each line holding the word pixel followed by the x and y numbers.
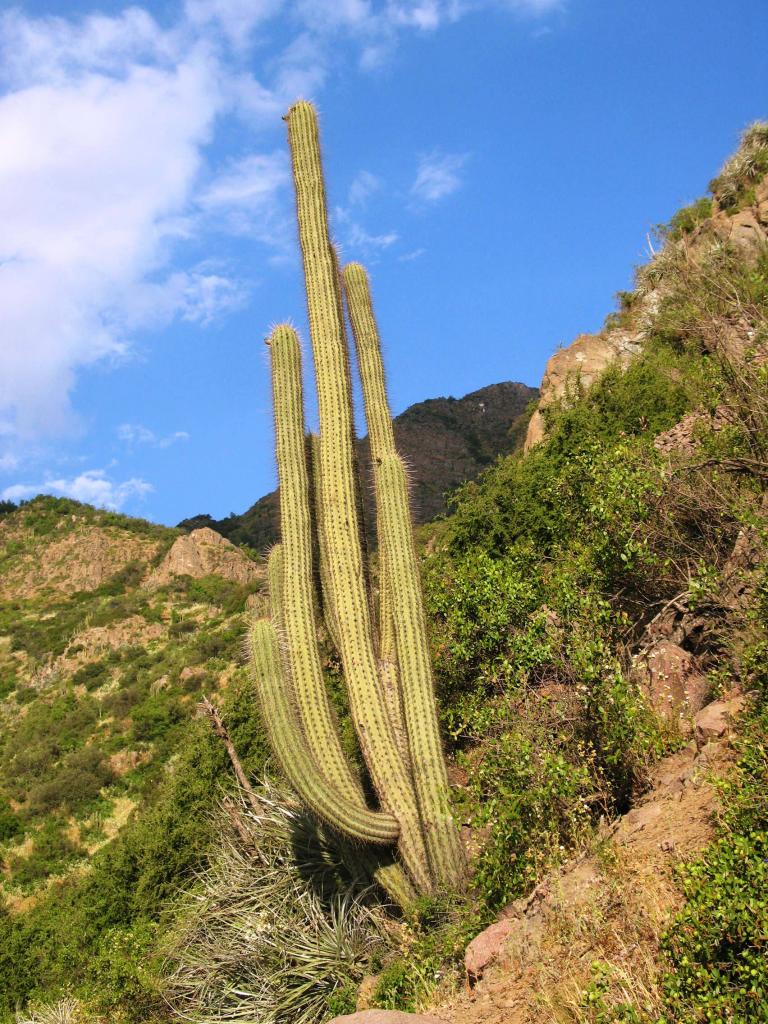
pixel 387 672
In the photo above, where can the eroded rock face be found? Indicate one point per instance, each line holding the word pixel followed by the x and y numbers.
pixel 204 553
pixel 717 719
pixel 581 363
pixel 81 560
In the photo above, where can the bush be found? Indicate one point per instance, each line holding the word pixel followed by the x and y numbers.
pixel 74 785
pixel 52 852
pixel 10 824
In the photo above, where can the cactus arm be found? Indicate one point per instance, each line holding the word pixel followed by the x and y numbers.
pixel 363 863
pixel 297 612
pixel 275 581
pixel 346 576
pixel 326 602
pixel 429 772
pixel 382 441
pixel 292 751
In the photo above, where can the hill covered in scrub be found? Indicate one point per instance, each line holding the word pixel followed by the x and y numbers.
pixel 445 441
pixel 588 600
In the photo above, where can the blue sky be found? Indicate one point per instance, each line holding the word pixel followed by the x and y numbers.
pixel 496 164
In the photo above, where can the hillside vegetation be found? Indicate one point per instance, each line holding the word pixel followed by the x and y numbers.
pixel 141 884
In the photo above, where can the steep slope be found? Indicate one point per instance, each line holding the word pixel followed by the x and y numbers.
pixel 584 600
pixel 445 442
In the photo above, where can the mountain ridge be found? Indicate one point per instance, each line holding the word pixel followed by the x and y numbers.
pixel 444 441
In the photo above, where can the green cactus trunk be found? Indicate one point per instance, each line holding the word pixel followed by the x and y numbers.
pixel 341 526
pixel 387 675
pixel 401 605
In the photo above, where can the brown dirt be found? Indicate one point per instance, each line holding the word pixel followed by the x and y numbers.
pixel 610 905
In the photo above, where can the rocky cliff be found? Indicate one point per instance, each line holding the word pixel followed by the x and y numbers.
pixel 736 216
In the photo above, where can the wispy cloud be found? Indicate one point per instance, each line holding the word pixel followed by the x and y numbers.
pixel 237 19
pixel 92 487
pixel 137 434
pixel 355 236
pixel 438 176
pixel 250 197
pixel 363 186
pixel 414 254
pixel 534 7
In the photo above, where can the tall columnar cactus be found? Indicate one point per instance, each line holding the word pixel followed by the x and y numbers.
pixel 387 672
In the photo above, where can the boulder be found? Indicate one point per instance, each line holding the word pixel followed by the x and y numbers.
pixel 485 947
pixel 385 1017
pixel 671 680
pixel 204 553
pixel 716 719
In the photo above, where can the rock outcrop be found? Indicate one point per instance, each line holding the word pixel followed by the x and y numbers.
pixel 669 676
pixel 80 560
pixel 204 553
pixel 579 365
pixel 582 362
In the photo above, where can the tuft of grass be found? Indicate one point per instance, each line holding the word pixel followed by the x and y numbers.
pixel 272 931
pixel 744 168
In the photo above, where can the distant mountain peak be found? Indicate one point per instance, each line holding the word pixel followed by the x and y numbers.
pixel 444 441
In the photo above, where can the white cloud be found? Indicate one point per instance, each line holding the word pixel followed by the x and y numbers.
pixel 136 433
pixel 95 175
pixel 438 176
pixel 363 186
pixel 236 18
pixel 92 487
pixel 53 50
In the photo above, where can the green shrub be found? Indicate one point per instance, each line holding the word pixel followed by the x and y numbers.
pixel 74 784
pixel 52 852
pixel 11 825
pixel 687 219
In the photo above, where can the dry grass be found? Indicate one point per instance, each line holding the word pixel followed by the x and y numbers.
pixel 66 1011
pixel 272 931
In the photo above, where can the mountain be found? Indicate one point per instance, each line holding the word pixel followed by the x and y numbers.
pixel 587 598
pixel 445 442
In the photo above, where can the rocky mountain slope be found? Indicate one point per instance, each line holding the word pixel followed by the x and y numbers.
pixel 445 442
pixel 110 629
pixel 588 601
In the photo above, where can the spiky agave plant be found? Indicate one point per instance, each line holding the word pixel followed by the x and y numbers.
pixel 269 939
pixel 386 662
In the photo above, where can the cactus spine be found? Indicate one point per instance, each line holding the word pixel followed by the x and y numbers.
pixel 395 717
